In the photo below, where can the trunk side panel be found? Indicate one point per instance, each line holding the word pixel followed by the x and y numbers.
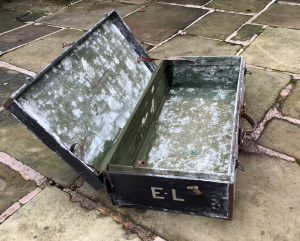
pixel 201 197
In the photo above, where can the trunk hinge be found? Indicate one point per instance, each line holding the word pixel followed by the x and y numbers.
pixel 239 166
pixel 109 186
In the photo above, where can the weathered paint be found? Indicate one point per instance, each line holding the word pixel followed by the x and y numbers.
pixel 128 131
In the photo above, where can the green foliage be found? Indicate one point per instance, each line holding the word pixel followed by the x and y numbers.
pixel 260 31
pixel 293 81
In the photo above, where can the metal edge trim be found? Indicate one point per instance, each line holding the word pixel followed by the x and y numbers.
pixel 167 176
pixel 240 97
pixel 230 200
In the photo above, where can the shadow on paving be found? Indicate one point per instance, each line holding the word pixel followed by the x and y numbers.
pixel 18 142
pixel 51 216
pixel 12 187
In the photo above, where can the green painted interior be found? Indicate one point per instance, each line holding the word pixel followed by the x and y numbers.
pixel 207 77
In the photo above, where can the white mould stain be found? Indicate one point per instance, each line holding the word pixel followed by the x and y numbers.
pixel 116 61
pixel 152 90
pixel 190 119
pixel 144 119
pixel 152 106
pixel 77 112
pixel 67 63
pixel 130 64
pixel 83 63
pixel 104 110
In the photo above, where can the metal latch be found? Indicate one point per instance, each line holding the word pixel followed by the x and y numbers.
pixel 238 165
pixel 247 72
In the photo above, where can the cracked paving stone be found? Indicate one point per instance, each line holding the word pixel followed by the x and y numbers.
pixel 275 48
pixel 12 187
pixel 32 17
pixel 267 195
pixel 291 107
pixel 293 1
pixel 48 6
pixel 153 27
pixel 147 47
pixel 24 35
pixel 217 25
pixel 247 32
pixel 14 81
pixel 37 55
pixel 261 92
pixel 52 216
pixel 194 46
pixel 281 136
pixel 189 2
pixel 138 2
pixel 18 142
pixel 84 15
pixel 9 15
pixel 247 6
pixel 7 19
pixel 281 15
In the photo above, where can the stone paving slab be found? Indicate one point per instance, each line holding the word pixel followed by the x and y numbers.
pixel 10 25
pixel 281 15
pixel 247 32
pixel 84 15
pixel 9 15
pixel 275 48
pixel 40 53
pixel 24 35
pixel 281 136
pixel 18 142
pixel 7 21
pixel 160 21
pixel 250 6
pixel 291 107
pixel 32 17
pixel 12 187
pixel 194 46
pixel 261 92
pixel 218 25
pixel 52 216
pixel 189 2
pixel 266 207
pixel 47 6
pixel 10 81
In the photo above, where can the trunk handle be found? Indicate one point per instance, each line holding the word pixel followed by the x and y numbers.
pixel 139 163
pixel 82 154
pixel 250 120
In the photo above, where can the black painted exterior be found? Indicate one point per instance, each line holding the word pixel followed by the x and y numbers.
pixel 173 194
